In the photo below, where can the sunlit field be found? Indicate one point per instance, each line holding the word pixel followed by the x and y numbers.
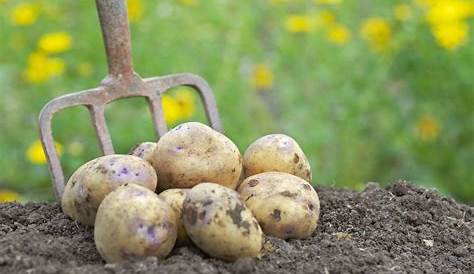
pixel 374 91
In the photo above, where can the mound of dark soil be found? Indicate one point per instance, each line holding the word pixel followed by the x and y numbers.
pixel 395 230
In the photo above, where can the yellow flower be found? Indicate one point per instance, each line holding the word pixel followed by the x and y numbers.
pixel 185 100
pixel 35 153
pixel 299 23
pixel 427 128
pixel 262 77
pixel 402 12
pixel 85 69
pixel 75 148
pixel 325 19
pixel 448 11
pixel 189 2
pixel 8 196
pixel 177 107
pixel 135 10
pixel 24 14
pixel 171 109
pixel 338 34
pixel 446 18
pixel 328 2
pixel 451 35
pixel 377 32
pixel 41 68
pixel 55 42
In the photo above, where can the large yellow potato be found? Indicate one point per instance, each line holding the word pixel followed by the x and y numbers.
pixel 276 152
pixel 220 224
pixel 143 150
pixel 89 184
pixel 192 153
pixel 285 206
pixel 133 222
pixel 174 197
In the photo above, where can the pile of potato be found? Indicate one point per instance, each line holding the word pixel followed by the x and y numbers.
pixel 209 195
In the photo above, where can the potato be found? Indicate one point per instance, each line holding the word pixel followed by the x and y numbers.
pixel 220 224
pixel 285 206
pixel 133 222
pixel 89 184
pixel 276 152
pixel 143 150
pixel 174 197
pixel 192 153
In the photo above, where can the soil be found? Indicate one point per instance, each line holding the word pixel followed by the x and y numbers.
pixel 397 229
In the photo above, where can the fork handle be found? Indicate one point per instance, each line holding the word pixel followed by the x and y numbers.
pixel 116 34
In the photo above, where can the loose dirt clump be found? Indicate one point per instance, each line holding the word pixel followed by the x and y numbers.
pixel 397 229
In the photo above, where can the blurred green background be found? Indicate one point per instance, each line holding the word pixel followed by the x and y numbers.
pixel 372 90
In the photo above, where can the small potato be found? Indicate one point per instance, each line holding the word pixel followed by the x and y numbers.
pixel 285 206
pixel 192 153
pixel 276 152
pixel 220 224
pixel 133 222
pixel 89 184
pixel 174 197
pixel 143 150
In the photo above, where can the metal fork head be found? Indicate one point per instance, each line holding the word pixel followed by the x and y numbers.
pixel 121 82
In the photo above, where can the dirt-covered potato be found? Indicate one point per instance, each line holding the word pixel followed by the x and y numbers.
pixel 220 224
pixel 192 153
pixel 175 198
pixel 285 206
pixel 276 152
pixel 133 222
pixel 89 184
pixel 143 150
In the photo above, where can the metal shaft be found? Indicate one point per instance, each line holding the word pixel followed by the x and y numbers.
pixel 121 82
pixel 115 31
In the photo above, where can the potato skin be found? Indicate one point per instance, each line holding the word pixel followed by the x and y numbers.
pixel 143 150
pixel 89 184
pixel 133 222
pixel 220 224
pixel 276 152
pixel 174 197
pixel 192 153
pixel 285 206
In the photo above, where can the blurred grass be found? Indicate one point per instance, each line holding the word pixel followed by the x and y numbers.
pixel 365 106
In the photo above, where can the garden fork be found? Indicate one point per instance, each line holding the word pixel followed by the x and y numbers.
pixel 121 82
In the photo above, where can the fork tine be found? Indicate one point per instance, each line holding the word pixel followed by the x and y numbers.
pixel 46 132
pixel 49 148
pixel 163 84
pixel 101 129
pixel 156 109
